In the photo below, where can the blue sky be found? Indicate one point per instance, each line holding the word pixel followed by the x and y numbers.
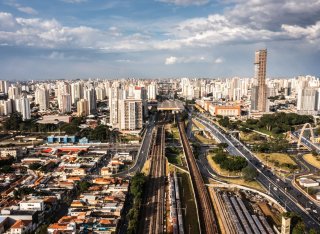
pixel 52 39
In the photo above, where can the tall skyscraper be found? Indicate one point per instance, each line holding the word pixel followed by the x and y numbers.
pixel 260 66
pixel 76 92
pixel 14 92
pixel 23 106
pixel 3 86
pixel 152 91
pixel 42 98
pixel 65 106
pixel 90 96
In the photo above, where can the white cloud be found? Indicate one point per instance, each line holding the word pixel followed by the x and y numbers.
pixel 7 21
pixel 28 10
pixel 21 8
pixel 174 60
pixel 171 60
pixel 245 22
pixel 311 33
pixel 186 2
pixel 218 60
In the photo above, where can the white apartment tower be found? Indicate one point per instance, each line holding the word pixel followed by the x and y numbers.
pixel 23 106
pixel 76 92
pixel 152 91
pixel 65 106
pixel 14 92
pixel 90 96
pixel 3 86
pixel 42 98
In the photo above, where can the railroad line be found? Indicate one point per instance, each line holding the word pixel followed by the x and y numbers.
pixel 207 219
pixel 154 205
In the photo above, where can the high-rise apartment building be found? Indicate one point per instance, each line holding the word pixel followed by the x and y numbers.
pixel 42 98
pixel 82 108
pixel 152 91
pixel 308 100
pixel 23 106
pixel 131 114
pixel 90 96
pixel 76 92
pixel 14 92
pixel 259 99
pixel 3 86
pixel 65 106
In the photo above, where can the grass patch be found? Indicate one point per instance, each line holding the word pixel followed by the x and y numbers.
pixel 251 184
pixel 204 139
pixel 251 137
pixel 146 167
pixel 190 220
pixel 198 124
pixel 216 167
pixel 175 133
pixel 312 160
pixel 277 160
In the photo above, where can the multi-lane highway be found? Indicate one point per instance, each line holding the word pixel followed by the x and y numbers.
pixel 279 189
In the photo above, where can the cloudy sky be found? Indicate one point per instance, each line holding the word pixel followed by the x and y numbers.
pixel 51 39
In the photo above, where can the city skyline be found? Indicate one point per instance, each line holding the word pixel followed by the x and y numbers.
pixel 156 39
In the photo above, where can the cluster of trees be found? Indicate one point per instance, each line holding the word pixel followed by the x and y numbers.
pixel 100 133
pixel 249 173
pixel 225 122
pixel 83 186
pixel 278 122
pixel 272 146
pixel 23 191
pixel 35 166
pixel 173 150
pixel 5 165
pixel 228 162
pixel 13 122
pixel 136 190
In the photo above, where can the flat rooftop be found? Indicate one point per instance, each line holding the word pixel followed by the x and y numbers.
pixel 171 105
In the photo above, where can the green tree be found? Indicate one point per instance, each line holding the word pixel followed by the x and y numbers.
pixel 299 228
pixel 223 145
pixel 83 185
pixel 6 169
pixel 34 166
pixel 13 122
pixel 249 173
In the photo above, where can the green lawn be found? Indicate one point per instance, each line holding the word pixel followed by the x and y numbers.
pixel 187 201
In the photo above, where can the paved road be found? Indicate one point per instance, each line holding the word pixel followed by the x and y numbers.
pixel 282 191
pixel 142 154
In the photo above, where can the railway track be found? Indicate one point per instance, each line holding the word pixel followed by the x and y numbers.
pixel 207 219
pixel 153 207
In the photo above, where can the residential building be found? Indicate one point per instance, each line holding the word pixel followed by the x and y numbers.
pixel 82 108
